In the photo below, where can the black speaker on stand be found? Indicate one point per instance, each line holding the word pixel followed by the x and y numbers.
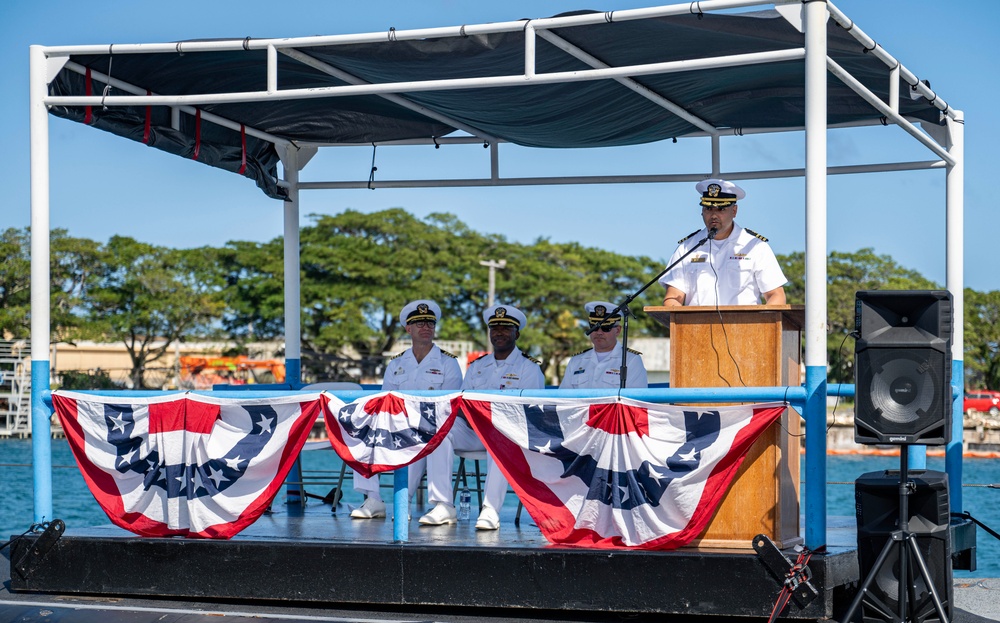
pixel 903 397
pixel 902 367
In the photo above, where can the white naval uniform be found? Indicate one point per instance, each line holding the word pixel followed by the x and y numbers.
pixel 587 370
pixel 745 265
pixel 436 371
pixel 514 372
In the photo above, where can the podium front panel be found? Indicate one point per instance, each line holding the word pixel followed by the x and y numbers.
pixel 746 346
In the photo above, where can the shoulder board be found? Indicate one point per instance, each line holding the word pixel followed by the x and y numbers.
pixel 755 234
pixel 691 235
pixel 444 352
pixel 582 351
pixel 397 356
pixel 533 360
pixel 633 351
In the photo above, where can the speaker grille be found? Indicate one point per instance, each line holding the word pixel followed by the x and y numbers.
pixel 905 384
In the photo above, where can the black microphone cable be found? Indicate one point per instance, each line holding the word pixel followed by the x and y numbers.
pixel 725 335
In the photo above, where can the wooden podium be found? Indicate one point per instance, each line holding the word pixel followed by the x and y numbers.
pixel 746 346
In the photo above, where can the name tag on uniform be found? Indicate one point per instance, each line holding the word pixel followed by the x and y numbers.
pixel 580 371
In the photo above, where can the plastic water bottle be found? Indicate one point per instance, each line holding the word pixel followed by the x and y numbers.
pixel 464 499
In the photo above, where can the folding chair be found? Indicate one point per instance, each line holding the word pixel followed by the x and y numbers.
pixel 462 474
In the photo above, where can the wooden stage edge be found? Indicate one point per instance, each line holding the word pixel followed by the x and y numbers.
pixel 318 558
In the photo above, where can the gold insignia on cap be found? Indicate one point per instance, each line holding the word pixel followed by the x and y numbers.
pixel 422 312
pixel 600 310
pixel 501 316
pixel 714 190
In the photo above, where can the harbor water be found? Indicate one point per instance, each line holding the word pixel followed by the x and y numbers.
pixel 73 503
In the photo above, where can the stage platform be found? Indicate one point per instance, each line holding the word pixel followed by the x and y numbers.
pixel 315 558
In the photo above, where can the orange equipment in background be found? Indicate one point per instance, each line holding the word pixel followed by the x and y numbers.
pixel 237 370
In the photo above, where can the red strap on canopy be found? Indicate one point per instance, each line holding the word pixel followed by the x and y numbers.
pixel 149 119
pixel 88 115
pixel 197 134
pixel 243 144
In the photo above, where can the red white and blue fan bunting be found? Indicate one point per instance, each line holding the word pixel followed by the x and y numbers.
pixel 616 472
pixel 388 430
pixel 183 464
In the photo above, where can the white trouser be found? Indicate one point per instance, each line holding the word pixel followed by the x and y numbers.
pixel 438 489
pixel 462 438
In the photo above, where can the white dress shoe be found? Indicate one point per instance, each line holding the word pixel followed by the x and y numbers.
pixel 441 514
pixel 488 519
pixel 371 509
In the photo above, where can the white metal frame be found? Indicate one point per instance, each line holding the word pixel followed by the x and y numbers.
pixel 809 16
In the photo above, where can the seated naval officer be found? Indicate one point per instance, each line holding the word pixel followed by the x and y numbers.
pixel 422 366
pixel 505 368
pixel 736 267
pixel 598 367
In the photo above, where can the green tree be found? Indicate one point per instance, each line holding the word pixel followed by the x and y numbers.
pixel 253 276
pixel 551 282
pixel 15 281
pixel 358 270
pixel 846 274
pixel 148 297
pixel 982 339
pixel 71 268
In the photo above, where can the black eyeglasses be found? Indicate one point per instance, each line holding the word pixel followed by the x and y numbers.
pixel 606 328
pixel 422 323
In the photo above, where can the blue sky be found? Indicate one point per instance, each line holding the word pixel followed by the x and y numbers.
pixel 103 185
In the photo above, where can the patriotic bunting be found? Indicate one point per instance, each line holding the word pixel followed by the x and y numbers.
pixel 592 472
pixel 387 430
pixel 613 472
pixel 183 464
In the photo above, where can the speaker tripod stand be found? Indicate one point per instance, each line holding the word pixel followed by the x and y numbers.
pixel 904 544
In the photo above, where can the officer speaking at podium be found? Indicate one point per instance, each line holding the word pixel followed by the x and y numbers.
pixel 735 267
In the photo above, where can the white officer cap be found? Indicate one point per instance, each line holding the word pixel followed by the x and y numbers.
pixel 504 315
pixel 423 309
pixel 598 313
pixel 716 192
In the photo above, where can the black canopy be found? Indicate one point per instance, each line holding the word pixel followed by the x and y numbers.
pixel 598 113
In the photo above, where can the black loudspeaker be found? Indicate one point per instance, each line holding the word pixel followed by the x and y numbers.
pixel 877 504
pixel 902 367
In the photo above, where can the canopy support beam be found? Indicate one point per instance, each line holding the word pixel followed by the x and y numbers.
pixel 816 272
pixel 41 427
pixel 955 275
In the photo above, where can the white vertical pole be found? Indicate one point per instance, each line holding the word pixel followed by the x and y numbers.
pixel 894 89
pixel 272 69
pixel 294 490
pixel 293 352
pixel 494 161
pixel 491 288
pixel 41 433
pixel 955 269
pixel 816 313
pixel 716 155
pixel 529 51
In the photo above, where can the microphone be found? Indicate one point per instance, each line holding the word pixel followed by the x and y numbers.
pixel 712 232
